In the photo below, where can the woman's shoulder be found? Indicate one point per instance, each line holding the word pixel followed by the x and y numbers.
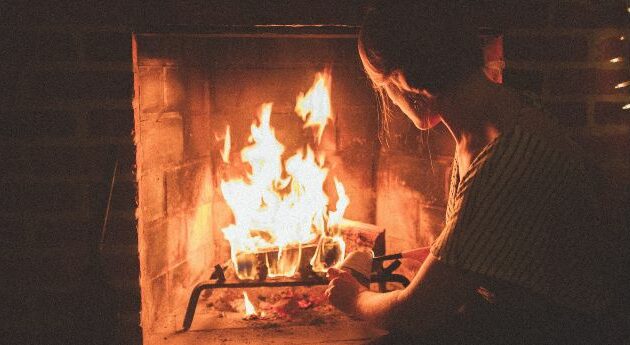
pixel 532 120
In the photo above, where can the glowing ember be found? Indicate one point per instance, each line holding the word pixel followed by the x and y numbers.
pixel 314 106
pixel 249 307
pixel 281 205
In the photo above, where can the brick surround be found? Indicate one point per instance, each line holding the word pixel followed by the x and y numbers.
pixel 66 115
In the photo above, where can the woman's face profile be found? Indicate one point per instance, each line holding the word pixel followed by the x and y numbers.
pixel 418 105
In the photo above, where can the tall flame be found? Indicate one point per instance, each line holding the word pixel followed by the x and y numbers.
pixel 314 106
pixel 281 205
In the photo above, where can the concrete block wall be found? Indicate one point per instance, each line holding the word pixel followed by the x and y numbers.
pixel 66 117
pixel 175 185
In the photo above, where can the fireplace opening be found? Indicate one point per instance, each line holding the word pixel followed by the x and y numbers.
pixel 232 128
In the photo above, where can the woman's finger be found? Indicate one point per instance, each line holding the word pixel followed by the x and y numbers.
pixel 329 291
pixel 345 275
pixel 333 273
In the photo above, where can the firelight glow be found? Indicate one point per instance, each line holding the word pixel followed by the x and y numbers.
pixel 280 206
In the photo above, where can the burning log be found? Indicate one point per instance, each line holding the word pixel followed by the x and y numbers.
pixel 292 261
pixel 308 260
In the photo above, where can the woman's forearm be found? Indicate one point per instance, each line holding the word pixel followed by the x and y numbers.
pixel 378 308
pixel 434 296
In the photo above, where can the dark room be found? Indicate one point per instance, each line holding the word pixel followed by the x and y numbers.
pixel 315 172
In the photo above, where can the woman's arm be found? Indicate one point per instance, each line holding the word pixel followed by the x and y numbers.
pixel 435 295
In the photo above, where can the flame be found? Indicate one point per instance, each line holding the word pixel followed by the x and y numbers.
pixel 249 307
pixel 342 203
pixel 626 107
pixel 314 106
pixel 617 59
pixel 280 205
pixel 227 144
pixel 331 249
pixel 624 84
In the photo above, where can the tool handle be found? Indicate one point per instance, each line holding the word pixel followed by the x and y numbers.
pixel 418 254
pixel 388 257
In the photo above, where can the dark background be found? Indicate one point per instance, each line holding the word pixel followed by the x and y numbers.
pixel 66 116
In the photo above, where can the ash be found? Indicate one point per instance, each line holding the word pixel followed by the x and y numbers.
pixel 275 307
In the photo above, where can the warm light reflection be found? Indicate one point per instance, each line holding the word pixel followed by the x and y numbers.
pixel 624 84
pixel 281 205
pixel 198 225
pixel 617 59
pixel 626 107
pixel 314 106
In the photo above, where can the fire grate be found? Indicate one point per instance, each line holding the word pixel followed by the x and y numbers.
pixel 381 275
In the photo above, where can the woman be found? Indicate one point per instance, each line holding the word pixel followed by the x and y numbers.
pixel 518 260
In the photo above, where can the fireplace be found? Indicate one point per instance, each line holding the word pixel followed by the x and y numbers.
pixel 199 98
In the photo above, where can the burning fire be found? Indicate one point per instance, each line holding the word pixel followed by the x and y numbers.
pixel 227 142
pixel 250 310
pixel 280 208
pixel 314 107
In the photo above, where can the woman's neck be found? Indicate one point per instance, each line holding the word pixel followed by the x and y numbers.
pixel 476 112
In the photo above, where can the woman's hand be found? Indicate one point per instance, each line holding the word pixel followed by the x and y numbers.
pixel 343 290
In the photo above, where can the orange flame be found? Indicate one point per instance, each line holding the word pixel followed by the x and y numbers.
pixel 249 307
pixel 314 106
pixel 281 205
pixel 225 152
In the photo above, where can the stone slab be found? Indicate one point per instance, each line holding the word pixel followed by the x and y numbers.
pixel 230 329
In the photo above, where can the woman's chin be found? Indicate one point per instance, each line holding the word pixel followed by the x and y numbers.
pixel 427 124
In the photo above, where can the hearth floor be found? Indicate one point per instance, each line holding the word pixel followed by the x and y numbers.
pixel 229 328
